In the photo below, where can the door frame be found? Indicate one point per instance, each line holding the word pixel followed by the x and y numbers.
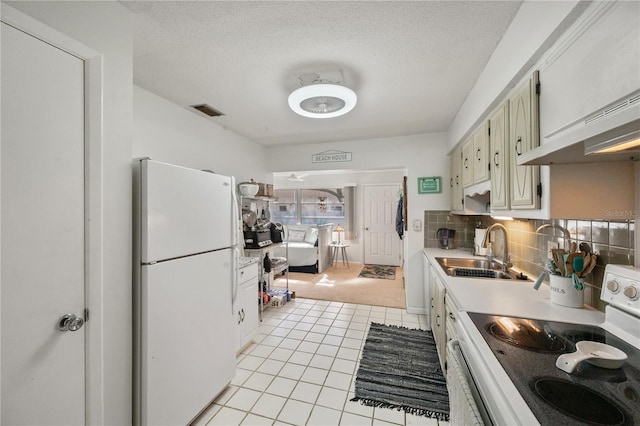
pixel 93 166
pixel 401 243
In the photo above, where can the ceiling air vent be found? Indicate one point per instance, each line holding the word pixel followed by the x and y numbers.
pixel 206 109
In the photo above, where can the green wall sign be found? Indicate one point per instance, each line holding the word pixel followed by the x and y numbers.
pixel 430 185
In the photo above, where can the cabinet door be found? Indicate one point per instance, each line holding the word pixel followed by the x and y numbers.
pixel 426 288
pixel 438 317
pixel 499 133
pixel 481 171
pixel 522 119
pixel 455 184
pixel 441 335
pixel 467 163
pixel 433 290
pixel 248 294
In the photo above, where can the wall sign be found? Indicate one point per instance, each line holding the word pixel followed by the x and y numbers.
pixel 331 156
pixel 430 185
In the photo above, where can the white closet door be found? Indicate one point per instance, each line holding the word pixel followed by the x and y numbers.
pixel 43 266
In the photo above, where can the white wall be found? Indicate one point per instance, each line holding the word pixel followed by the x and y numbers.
pixel 170 133
pixel 419 155
pixel 106 28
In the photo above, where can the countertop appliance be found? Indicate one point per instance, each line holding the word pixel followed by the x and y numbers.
pixel 510 363
pixel 446 238
pixel 185 259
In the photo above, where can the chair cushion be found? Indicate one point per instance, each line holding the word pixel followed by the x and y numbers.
pixel 311 236
pixel 296 235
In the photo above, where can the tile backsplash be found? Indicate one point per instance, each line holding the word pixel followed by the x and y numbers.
pixel 612 241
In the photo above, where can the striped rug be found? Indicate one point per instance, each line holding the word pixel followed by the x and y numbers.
pixel 400 370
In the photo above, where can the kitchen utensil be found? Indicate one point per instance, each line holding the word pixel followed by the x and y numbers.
pixel 585 247
pixel 586 259
pixel 578 265
pixel 558 260
pixel 596 353
pixel 538 282
pixel 550 266
pixel 592 265
pixel 569 263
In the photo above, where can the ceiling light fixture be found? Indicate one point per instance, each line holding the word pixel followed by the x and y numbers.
pixel 322 100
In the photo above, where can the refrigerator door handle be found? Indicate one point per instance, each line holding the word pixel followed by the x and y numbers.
pixel 235 212
pixel 234 280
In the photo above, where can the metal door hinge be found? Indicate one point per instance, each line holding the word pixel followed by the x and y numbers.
pixel 489 131
pixel 539 190
pixel 86 315
pixel 538 88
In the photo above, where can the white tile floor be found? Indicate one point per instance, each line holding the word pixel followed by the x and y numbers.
pixel 302 367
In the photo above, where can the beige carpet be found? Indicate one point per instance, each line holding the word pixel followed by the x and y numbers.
pixel 341 284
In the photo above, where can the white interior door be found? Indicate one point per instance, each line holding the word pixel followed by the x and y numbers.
pixel 381 241
pixel 42 201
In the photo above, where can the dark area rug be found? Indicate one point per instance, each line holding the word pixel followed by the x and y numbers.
pixel 400 370
pixel 378 271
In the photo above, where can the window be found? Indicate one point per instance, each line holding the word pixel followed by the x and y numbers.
pixel 315 207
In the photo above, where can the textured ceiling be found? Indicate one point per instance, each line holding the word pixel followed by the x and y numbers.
pixel 411 63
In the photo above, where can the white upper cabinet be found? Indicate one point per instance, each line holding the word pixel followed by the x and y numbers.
pixel 481 166
pixel 524 136
pixel 475 159
pixel 455 183
pixel 467 163
pixel 499 157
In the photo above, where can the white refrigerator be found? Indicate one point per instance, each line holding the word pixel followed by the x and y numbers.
pixel 185 246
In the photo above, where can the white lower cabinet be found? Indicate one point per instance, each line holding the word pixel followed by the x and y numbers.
pixel 450 319
pixel 246 305
pixel 438 324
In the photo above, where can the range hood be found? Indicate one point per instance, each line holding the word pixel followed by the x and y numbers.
pixel 602 136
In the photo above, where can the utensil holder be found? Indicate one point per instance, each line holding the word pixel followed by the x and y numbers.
pixel 564 293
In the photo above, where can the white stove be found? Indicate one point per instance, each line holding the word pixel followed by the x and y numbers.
pixel 509 363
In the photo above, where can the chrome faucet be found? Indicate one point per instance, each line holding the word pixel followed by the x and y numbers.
pixel 565 231
pixel 505 256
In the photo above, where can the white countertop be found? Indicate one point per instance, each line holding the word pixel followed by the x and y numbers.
pixel 506 297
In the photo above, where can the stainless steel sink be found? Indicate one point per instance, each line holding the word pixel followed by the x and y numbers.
pixel 477 268
pixel 458 262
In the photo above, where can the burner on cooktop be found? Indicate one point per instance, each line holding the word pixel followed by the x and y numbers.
pixel 578 402
pixel 526 333
pixel 577 335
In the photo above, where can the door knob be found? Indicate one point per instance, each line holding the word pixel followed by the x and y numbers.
pixel 70 322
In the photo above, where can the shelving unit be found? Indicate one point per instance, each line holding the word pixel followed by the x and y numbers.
pixel 265 283
pixel 265 280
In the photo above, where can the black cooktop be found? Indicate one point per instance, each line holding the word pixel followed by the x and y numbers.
pixel 527 349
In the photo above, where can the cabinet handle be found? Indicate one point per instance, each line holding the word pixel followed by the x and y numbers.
pixel 519 145
pixel 466 161
pixel 438 316
pixel 432 303
pixel 243 314
pixel 451 316
pixel 239 318
pixel 478 154
pixel 457 180
pixel 451 183
pixel 495 159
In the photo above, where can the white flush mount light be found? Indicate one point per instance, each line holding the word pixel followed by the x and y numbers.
pixel 322 100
